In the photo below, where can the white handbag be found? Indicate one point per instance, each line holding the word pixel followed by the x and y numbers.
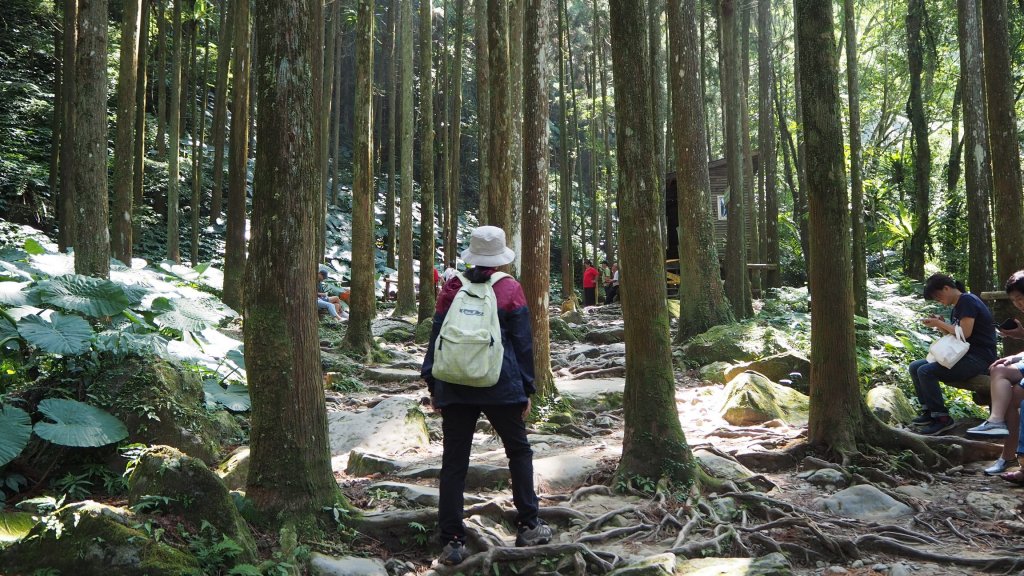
pixel 949 349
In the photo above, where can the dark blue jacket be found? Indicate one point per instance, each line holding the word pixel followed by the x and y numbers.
pixel 516 381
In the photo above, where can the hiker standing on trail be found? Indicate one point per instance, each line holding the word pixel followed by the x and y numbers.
pixel 480 359
pixel 589 283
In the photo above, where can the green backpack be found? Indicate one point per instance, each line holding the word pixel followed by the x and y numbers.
pixel 468 350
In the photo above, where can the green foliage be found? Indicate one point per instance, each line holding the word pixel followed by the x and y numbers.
pixel 234 397
pixel 15 430
pixel 58 334
pixel 78 424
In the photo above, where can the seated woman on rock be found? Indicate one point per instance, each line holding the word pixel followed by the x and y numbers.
pixel 1004 383
pixel 975 320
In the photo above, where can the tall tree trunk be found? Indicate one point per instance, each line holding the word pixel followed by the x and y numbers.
pixel 238 159
pixel 69 140
pixel 331 14
pixel 653 443
pixel 703 305
pixel 922 151
pixel 427 245
pixel 161 79
pixel 174 139
pixel 766 135
pixel 1005 149
pixel 750 207
pixel 198 146
pixel 654 52
pixel 220 105
pixel 737 281
pixel 290 471
pixel 358 337
pixel 565 182
pixel 406 304
pixel 56 118
pixel 92 240
pixel 608 230
pixel 483 104
pixel 499 177
pixel 392 83
pixel 536 200
pixel 455 180
pixel 139 146
pixel 800 210
pixel 515 43
pixel 978 174
pixel 335 125
pixel 860 272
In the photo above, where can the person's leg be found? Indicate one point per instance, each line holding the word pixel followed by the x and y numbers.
pixel 1013 423
pixel 508 423
pixel 320 303
pixel 930 374
pixel 915 368
pixel 1017 476
pixel 1002 381
pixel 457 425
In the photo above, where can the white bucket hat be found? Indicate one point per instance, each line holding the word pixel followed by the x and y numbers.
pixel 487 248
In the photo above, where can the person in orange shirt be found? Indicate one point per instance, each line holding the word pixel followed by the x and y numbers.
pixel 589 283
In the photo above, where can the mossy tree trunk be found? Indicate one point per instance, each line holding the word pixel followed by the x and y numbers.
pixel 536 207
pixel 451 242
pixel 92 237
pixel 124 159
pixel 516 17
pixel 653 443
pixel 499 141
pixel 220 105
pixel 238 159
pixel 68 142
pixel 564 176
pixel 922 150
pixel 737 281
pixel 406 304
pixel 363 301
pixel 290 472
pixel 703 304
pixel 767 135
pixel 426 296
pixel 174 137
pixel 978 169
pixel 331 14
pixel 860 272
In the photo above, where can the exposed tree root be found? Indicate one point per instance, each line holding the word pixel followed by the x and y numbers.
pixel 482 561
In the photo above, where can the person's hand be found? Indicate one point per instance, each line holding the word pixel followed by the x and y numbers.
pixel 932 321
pixel 1017 332
pixel 434 407
pixel 526 410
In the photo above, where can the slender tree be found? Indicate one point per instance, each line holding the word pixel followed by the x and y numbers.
pixel 139 146
pixel 766 135
pixel 220 106
pixel 704 305
pixel 655 53
pixel 860 272
pixel 290 470
pixel 536 205
pixel 161 78
pixel 455 180
pixel 69 141
pixel 238 159
pixel 56 118
pixel 174 138
pixel 483 103
pixel 922 150
pixel 1004 147
pixel 653 443
pixel 978 173
pixel 334 140
pixel 392 88
pixel 198 145
pixel 499 173
pixel 406 304
pixel 564 174
pixel 516 15
pixel 358 337
pixel 427 246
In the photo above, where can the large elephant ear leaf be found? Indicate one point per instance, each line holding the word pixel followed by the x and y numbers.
pixel 78 424
pixel 15 430
pixel 235 397
pixel 91 296
pixel 14 526
pixel 187 315
pixel 13 294
pixel 60 334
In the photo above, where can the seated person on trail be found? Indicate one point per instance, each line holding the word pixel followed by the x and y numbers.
pixel 330 303
pixel 1005 377
pixel 974 318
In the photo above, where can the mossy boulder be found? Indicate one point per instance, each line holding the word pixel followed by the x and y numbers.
pixel 607 335
pixel 162 403
pixel 423 330
pixel 736 343
pixel 750 398
pixel 715 372
pixel 776 368
pixel 562 332
pixel 94 538
pixel 234 471
pixel 890 405
pixel 574 317
pixel 192 491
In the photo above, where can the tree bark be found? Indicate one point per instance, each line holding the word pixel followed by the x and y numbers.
pixel 198 147
pixel 653 443
pixel 978 172
pixel 455 180
pixel 750 216
pixel 335 126
pixel 406 304
pixel 329 16
pixel 766 134
pixel 483 104
pixel 220 106
pixel 161 80
pixel 564 176
pixel 358 337
pixel 290 471
pixel 69 140
pixel 499 176
pixel 427 245
pixel 835 414
pixel 139 171
pixel 536 204
pixel 703 304
pixel 737 281
pixel 515 149
pixel 654 52
pixel 392 83
pixel 92 242
pixel 860 272
pixel 174 138
pixel 238 159
pixel 56 117
pixel 797 153
pixel 1004 147
pixel 610 242
pixel 922 151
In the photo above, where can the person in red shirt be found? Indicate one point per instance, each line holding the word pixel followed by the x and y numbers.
pixel 589 283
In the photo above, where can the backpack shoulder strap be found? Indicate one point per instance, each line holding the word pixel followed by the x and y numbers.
pixel 495 277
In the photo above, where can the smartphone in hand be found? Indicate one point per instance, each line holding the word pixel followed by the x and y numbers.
pixel 1009 324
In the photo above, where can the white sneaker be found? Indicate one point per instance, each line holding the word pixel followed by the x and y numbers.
pixel 987 428
pixel 998 467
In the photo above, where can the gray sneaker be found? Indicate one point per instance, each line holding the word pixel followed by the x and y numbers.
pixel 997 467
pixel 453 553
pixel 987 428
pixel 539 534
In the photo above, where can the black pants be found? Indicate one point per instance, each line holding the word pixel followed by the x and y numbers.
pixel 610 293
pixel 590 296
pixel 458 424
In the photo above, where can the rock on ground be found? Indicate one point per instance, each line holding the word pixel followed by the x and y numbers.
pixel 323 565
pixel 720 467
pixel 750 398
pixel 774 564
pixel 393 426
pixel 864 502
pixel 735 343
pixel 993 506
pixel 777 367
pixel 890 405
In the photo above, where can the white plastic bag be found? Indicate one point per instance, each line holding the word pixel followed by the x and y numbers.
pixel 949 349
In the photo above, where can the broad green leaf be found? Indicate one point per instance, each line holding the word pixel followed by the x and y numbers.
pixel 187 315
pixel 236 357
pixel 32 246
pixel 78 424
pixel 235 398
pixel 59 335
pixel 125 342
pixel 13 294
pixel 91 296
pixel 14 526
pixel 15 430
